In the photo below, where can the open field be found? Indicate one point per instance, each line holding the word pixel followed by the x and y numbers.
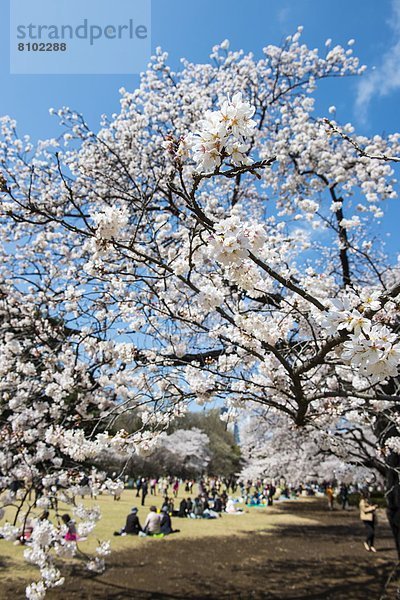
pixel 293 551
pixel 113 518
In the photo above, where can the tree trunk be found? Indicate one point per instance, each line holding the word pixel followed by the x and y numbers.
pixel 385 429
pixel 393 496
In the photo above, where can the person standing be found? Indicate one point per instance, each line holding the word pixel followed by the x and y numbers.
pixel 145 489
pixel 368 517
pixel 271 494
pixel 165 486
pixel 330 495
pixel 344 495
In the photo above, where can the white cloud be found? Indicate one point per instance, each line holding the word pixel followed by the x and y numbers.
pixel 385 78
pixel 283 15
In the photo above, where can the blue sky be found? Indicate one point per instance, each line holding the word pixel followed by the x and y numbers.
pixel 190 29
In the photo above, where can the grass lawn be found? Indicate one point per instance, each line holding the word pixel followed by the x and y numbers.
pixel 292 551
pixel 113 518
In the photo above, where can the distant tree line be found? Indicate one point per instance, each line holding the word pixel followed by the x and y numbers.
pixel 198 443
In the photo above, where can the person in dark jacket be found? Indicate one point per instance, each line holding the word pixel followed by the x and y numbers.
pixel 145 489
pixel 166 523
pixel 132 525
pixel 198 509
pixel 224 499
pixel 183 510
pixel 271 494
pixel 344 495
pixel 218 505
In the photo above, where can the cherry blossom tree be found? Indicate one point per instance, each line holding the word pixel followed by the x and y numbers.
pixel 188 449
pixel 213 241
pixel 182 453
pixel 51 406
pixel 274 446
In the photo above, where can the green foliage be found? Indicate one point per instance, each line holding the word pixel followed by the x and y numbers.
pixel 376 498
pixel 225 454
pixel 129 420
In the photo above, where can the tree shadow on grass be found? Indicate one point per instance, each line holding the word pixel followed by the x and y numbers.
pixel 322 558
pixel 302 562
pixel 270 580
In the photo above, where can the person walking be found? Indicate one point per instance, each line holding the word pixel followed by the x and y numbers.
pixel 368 517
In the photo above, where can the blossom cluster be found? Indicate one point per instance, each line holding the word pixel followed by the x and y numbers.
pixel 375 352
pixel 223 133
pixel 371 348
pixel 234 238
pixel 110 222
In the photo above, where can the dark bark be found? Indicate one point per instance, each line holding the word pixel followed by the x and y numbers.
pixel 385 429
pixel 393 496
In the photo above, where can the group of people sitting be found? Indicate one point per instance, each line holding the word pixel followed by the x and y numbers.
pixel 200 508
pixel 264 497
pixel 156 523
pixel 204 507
